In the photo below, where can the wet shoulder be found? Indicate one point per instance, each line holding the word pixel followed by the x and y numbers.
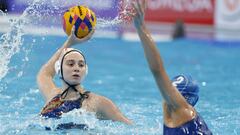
pixel 94 97
pixel 92 102
pixel 192 127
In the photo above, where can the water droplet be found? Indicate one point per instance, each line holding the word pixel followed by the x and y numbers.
pixel 131 79
pixel 20 74
pixel 204 83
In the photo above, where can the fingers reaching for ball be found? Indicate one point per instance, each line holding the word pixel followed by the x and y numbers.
pixel 73 30
pixel 89 35
pixel 79 24
pixel 73 39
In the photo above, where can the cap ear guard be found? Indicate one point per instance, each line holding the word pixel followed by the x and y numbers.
pixel 86 73
pixel 57 67
pixel 58 71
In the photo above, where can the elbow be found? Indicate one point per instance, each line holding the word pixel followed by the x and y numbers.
pixel 43 73
pixel 39 77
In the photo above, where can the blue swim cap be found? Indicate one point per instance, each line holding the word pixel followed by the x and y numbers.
pixel 187 87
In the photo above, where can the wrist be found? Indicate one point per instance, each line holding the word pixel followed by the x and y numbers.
pixel 68 42
pixel 141 27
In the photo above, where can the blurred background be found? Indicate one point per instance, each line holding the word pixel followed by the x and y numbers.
pixel 204 19
pixel 207 47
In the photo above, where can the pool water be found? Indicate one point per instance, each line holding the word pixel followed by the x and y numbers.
pixel 118 70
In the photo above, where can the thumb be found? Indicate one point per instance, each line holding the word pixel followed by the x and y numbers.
pixel 73 29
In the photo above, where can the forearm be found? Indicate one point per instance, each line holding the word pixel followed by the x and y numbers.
pixel 151 52
pixel 119 117
pixel 156 65
pixel 169 93
pixel 72 40
pixel 109 111
pixel 48 68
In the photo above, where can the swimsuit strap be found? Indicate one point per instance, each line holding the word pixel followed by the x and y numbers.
pixel 85 95
pixel 65 92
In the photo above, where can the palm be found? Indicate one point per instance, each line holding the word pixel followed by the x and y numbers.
pixel 75 40
pixel 140 12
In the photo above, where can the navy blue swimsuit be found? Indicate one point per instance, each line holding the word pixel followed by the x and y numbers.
pixel 196 126
pixel 56 107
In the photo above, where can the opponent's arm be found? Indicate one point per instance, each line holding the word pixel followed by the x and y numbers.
pixel 170 94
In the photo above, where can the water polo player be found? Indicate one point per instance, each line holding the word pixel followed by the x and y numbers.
pixel 180 95
pixel 71 65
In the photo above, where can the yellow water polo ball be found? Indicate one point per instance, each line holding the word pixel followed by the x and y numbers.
pixel 82 18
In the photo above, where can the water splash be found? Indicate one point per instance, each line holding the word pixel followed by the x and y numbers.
pixel 2 13
pixel 11 42
pixel 83 117
pixel 104 23
pixel 125 7
pixel 9 46
pixel 122 18
pixel 35 13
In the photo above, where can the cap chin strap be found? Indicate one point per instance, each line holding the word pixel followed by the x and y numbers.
pixel 65 92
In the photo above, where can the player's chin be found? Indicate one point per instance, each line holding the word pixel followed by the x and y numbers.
pixel 75 81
